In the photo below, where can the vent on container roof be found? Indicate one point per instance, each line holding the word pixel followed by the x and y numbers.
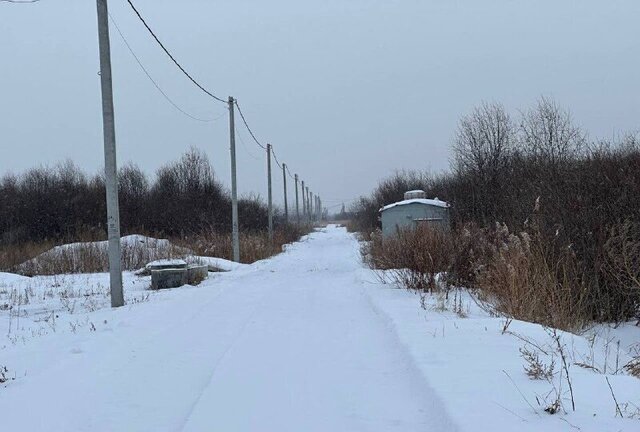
pixel 415 194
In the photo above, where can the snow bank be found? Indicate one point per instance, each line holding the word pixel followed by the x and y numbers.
pixel 479 370
pixel 9 279
pixel 89 257
pixel 218 264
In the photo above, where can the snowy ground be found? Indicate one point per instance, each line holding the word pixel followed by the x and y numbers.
pixel 306 341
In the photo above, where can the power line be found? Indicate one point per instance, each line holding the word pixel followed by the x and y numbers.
pixel 20 1
pixel 157 86
pixel 171 56
pixel 244 120
pixel 275 157
pixel 244 145
pixel 289 172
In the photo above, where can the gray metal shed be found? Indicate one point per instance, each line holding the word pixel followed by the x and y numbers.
pixel 413 210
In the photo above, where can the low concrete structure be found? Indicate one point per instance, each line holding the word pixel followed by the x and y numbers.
pixel 176 273
pixel 166 264
pixel 197 273
pixel 168 278
pixel 413 210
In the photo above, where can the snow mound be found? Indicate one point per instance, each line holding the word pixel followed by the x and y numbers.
pixel 218 264
pixel 8 279
pixel 92 257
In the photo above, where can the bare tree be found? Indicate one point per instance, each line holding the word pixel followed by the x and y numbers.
pixel 547 132
pixel 483 145
pixel 484 140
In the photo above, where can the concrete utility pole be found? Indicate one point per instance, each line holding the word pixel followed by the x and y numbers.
pixel 269 192
pixel 110 165
pixel 284 181
pixel 304 203
pixel 297 208
pixel 235 234
pixel 306 198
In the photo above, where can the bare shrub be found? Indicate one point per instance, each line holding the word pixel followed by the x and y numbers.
pixel 622 265
pixel 474 250
pixel 413 256
pixel 535 368
pixel 633 367
pixel 4 375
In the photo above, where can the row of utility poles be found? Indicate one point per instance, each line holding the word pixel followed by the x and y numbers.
pixel 311 204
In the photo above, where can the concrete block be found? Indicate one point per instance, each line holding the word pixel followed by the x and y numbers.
pixel 197 273
pixel 168 278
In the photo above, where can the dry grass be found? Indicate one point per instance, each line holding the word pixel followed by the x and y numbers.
pixel 633 367
pixel 525 280
pixel 12 255
pixel 254 246
pixel 514 275
pixel 414 257
pixel 89 257
pixel 622 267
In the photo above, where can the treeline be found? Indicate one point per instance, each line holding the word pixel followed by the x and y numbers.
pixel 63 203
pixel 540 174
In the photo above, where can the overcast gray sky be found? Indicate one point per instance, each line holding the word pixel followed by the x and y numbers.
pixel 347 91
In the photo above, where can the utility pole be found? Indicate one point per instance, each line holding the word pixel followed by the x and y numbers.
pixel 269 193
pixel 304 203
pixel 110 165
pixel 311 206
pixel 284 181
pixel 297 208
pixel 306 198
pixel 235 234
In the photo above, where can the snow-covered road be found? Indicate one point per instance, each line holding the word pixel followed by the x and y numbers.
pixel 289 344
pixel 306 341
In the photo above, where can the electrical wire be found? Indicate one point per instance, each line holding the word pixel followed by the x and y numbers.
pixel 244 120
pixel 244 145
pixel 157 86
pixel 171 56
pixel 275 157
pixel 182 69
pixel 289 172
